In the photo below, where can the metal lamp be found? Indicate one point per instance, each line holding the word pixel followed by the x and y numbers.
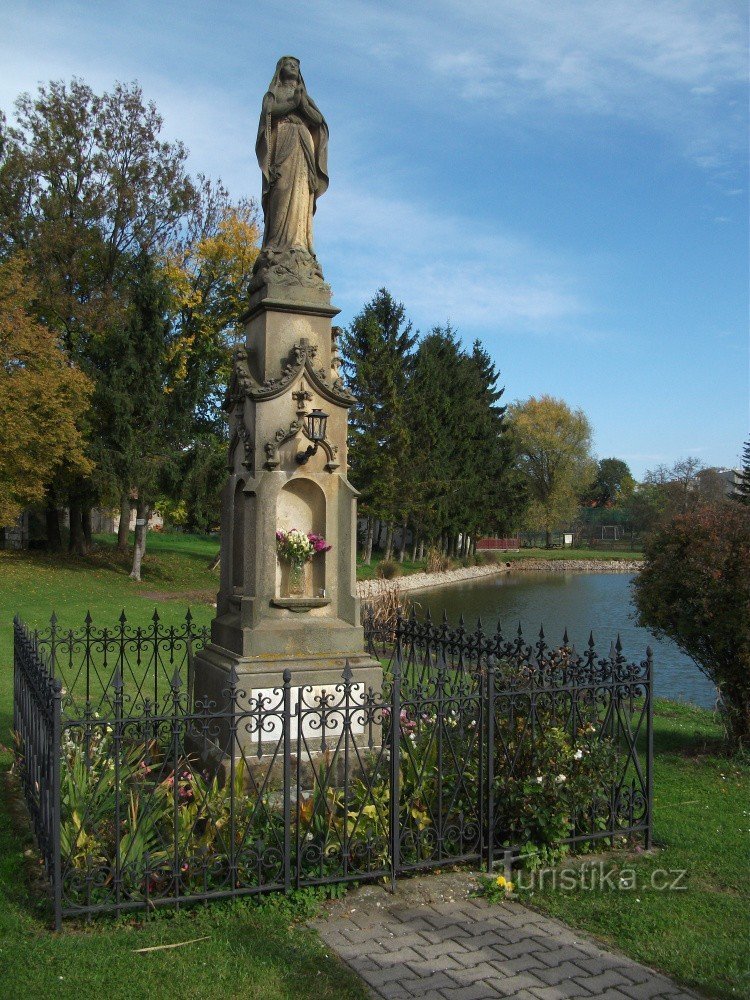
pixel 316 431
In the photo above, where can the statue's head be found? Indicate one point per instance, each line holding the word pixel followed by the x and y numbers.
pixel 287 69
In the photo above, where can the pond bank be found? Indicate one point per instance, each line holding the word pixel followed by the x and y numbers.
pixel 425 581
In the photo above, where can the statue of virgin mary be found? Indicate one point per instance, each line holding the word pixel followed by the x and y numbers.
pixel 292 150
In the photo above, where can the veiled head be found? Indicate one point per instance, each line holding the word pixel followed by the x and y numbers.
pixel 287 71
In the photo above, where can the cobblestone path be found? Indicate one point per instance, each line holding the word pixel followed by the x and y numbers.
pixel 433 940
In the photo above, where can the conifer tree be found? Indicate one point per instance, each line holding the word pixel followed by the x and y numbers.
pixel 742 489
pixel 377 352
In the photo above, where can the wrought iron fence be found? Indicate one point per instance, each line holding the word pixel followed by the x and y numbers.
pixel 142 796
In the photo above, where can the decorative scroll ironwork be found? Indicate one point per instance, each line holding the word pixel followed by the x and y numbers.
pixel 141 795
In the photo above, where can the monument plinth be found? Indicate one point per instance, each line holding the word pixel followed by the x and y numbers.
pixel 279 477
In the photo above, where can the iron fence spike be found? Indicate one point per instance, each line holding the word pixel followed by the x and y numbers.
pixel 565 637
pixel 123 617
pixel 618 644
pixel 176 682
pixel 347 672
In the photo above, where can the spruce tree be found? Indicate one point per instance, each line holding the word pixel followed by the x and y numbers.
pixel 377 351
pixel 742 488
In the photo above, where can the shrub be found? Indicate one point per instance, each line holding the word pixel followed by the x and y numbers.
pixel 480 559
pixel 386 603
pixel 388 569
pixel 695 589
pixel 437 561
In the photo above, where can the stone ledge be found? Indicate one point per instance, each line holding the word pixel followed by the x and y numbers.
pixel 426 581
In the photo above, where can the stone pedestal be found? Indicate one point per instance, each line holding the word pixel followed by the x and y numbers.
pixel 285 369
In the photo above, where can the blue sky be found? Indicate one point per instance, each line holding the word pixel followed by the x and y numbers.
pixel 566 181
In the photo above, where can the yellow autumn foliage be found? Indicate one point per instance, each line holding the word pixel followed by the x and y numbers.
pixel 42 400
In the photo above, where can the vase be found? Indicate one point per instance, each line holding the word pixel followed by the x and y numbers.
pixel 295 580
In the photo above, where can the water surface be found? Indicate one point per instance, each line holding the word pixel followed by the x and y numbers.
pixel 580 602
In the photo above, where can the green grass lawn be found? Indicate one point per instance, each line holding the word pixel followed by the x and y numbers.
pixel 701 935
pixel 617 554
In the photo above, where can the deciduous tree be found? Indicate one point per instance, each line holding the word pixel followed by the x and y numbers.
pixel 554 444
pixel 43 399
pixel 613 484
pixel 87 184
pixel 695 589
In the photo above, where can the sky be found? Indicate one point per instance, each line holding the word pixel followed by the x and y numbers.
pixel 566 182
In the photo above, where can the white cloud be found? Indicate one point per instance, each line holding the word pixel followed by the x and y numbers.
pixel 673 65
pixel 443 266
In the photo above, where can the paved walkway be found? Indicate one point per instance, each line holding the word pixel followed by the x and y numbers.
pixel 433 940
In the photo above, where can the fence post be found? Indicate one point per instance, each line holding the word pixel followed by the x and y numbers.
pixel 288 782
pixel 489 708
pixel 175 686
pixel 56 819
pixel 395 767
pixel 650 749
pixel 117 684
pixel 232 692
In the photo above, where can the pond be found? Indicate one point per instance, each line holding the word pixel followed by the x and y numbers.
pixel 580 602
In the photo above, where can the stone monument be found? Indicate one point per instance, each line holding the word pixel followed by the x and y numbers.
pixel 287 466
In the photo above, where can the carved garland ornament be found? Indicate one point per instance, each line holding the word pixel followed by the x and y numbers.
pixel 301 359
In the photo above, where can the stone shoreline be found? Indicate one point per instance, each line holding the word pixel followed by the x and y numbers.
pixel 426 581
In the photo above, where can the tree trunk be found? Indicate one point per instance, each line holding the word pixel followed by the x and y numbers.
pixel 86 526
pixel 548 539
pixel 52 519
pixel 123 528
pixel 367 558
pixel 402 548
pixel 421 549
pixel 77 541
pixel 388 542
pixel 414 546
pixel 142 513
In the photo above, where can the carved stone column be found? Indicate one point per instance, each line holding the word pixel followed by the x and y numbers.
pixel 283 371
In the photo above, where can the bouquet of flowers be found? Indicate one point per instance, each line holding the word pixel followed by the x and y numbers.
pixel 297 547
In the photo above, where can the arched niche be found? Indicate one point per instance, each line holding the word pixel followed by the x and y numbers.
pixel 301 504
pixel 238 536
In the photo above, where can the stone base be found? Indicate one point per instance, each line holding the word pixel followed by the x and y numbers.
pixel 292 275
pixel 258 720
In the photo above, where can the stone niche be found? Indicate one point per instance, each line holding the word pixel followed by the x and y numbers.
pixel 301 504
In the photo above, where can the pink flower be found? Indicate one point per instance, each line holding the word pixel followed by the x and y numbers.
pixel 318 542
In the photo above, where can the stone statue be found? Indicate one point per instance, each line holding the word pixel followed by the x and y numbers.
pixel 292 151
